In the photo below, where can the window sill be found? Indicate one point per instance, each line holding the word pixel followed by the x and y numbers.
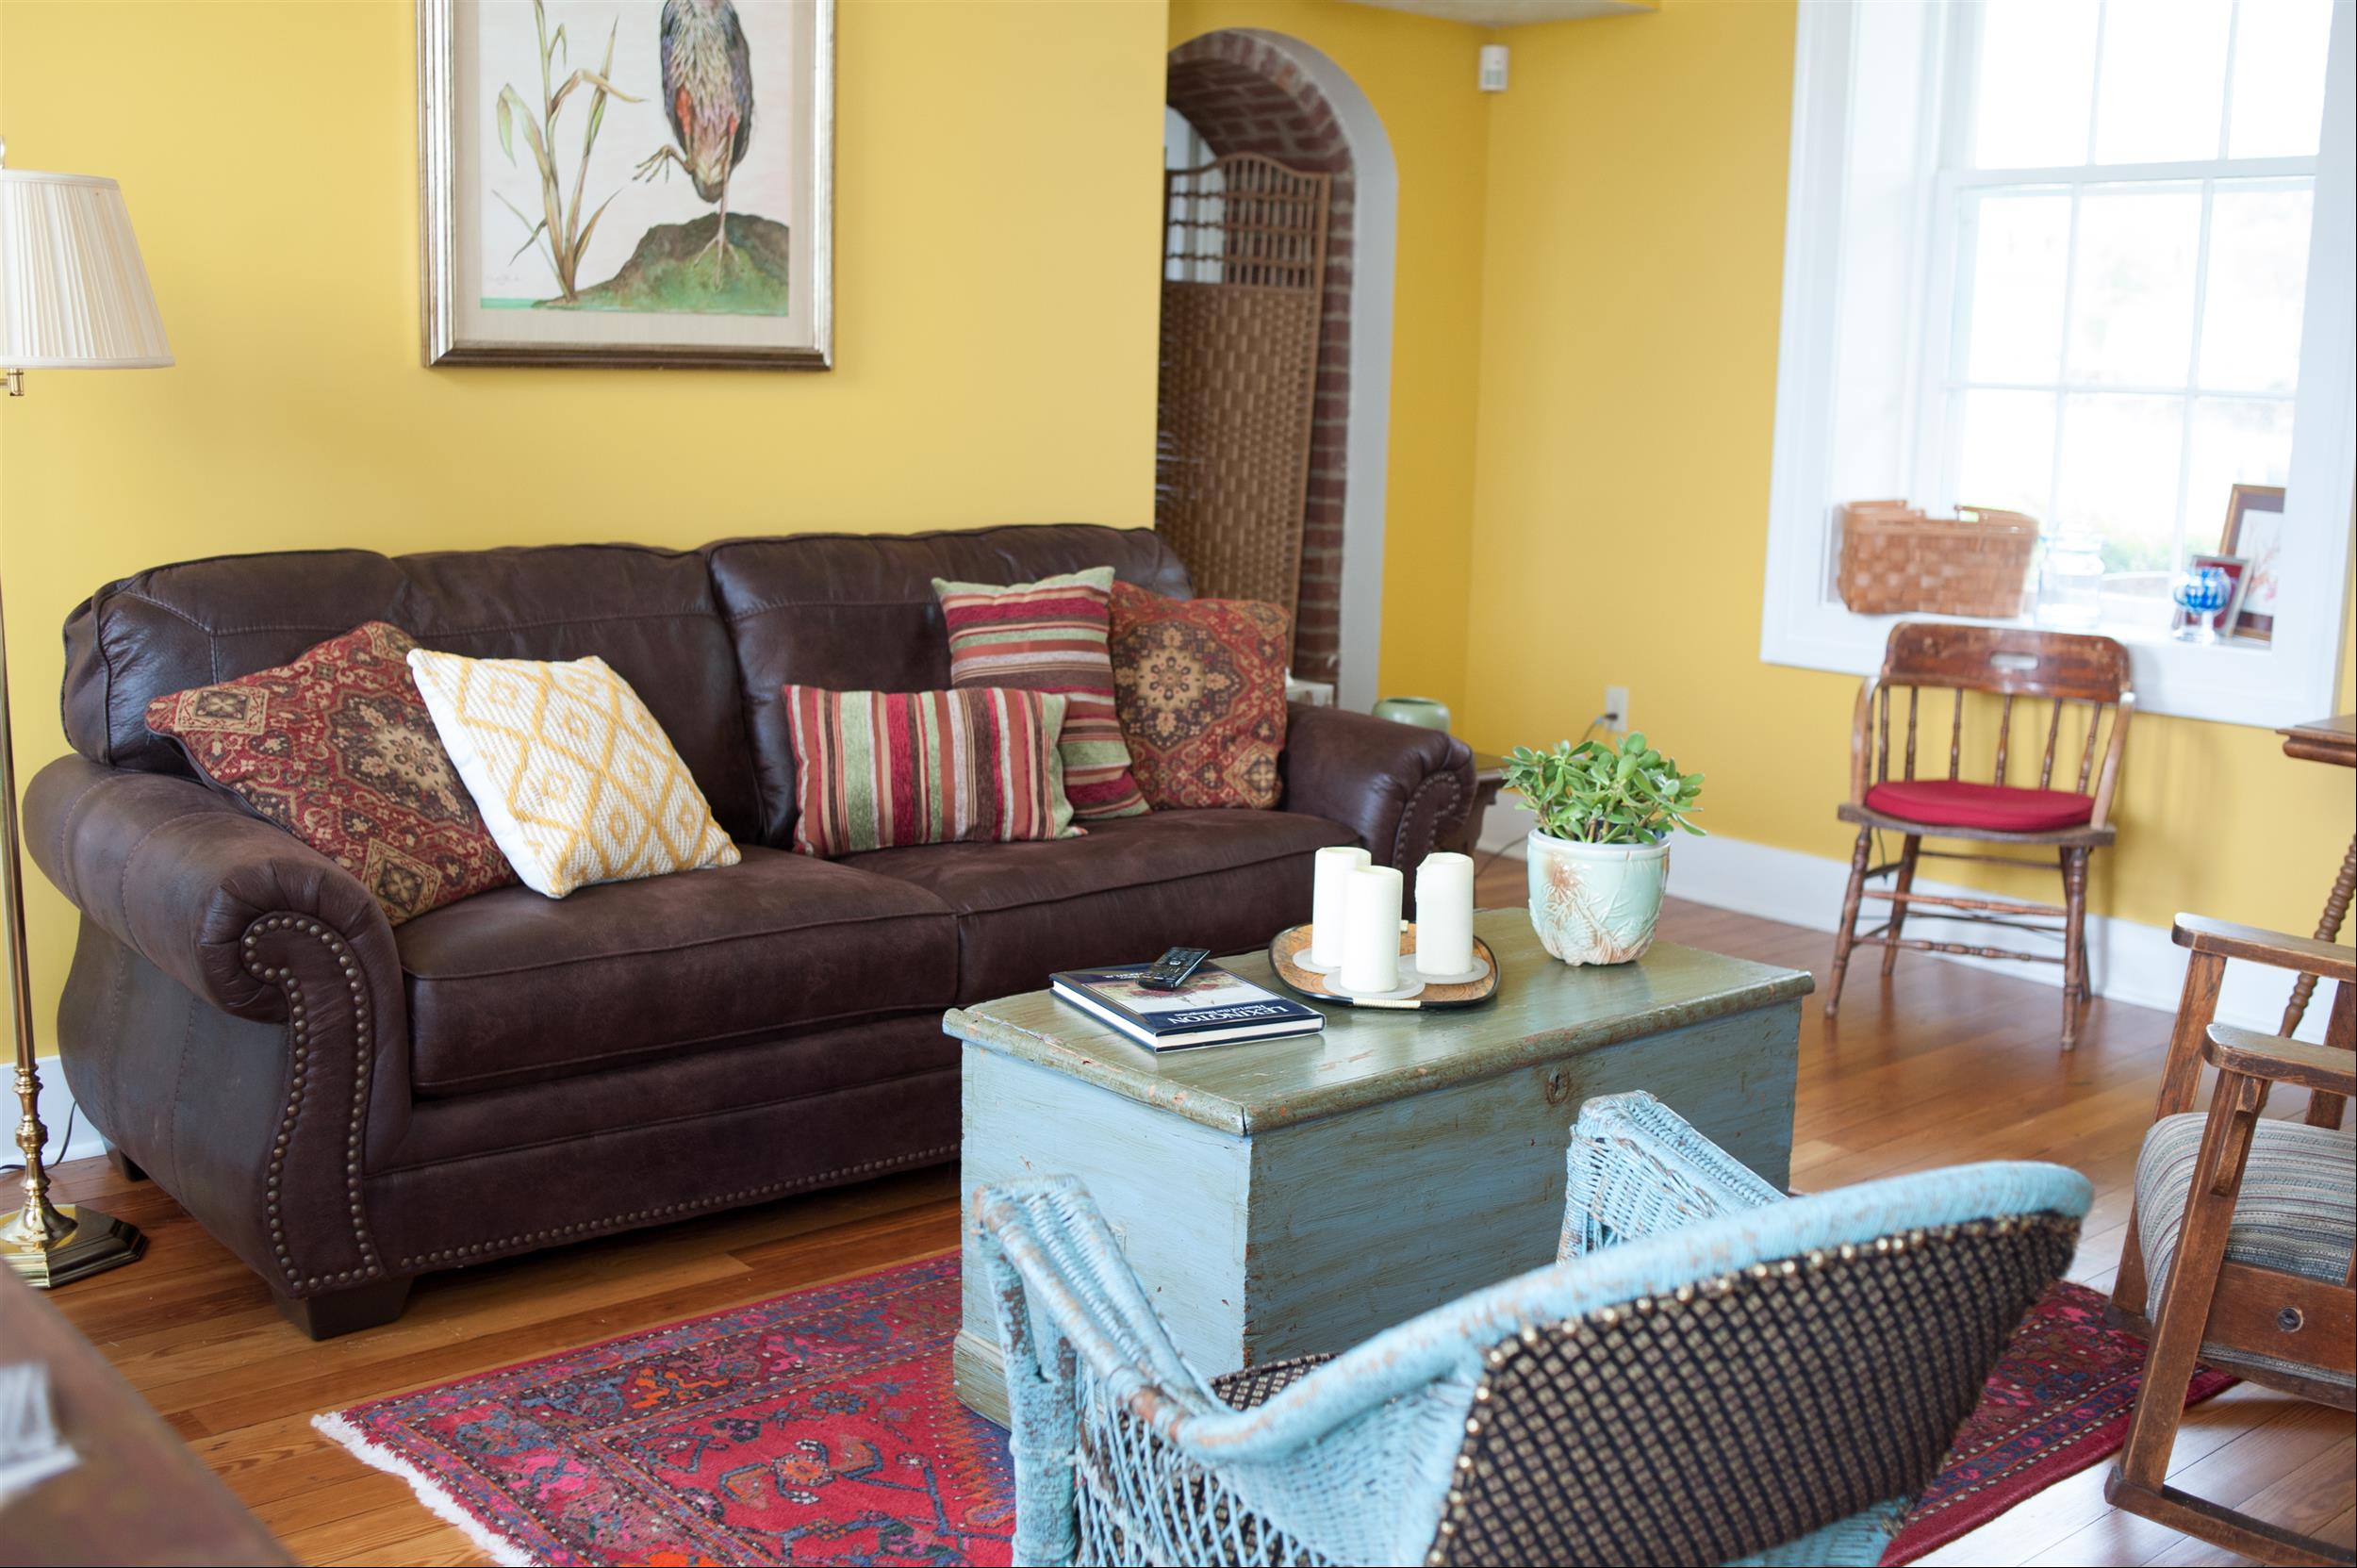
pixel 2227 683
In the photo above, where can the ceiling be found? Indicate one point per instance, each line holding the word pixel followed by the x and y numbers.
pixel 1507 13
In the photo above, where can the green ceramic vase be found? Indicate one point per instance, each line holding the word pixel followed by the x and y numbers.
pixel 1424 712
pixel 1595 904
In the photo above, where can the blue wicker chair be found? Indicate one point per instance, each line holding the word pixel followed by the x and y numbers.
pixel 1711 1373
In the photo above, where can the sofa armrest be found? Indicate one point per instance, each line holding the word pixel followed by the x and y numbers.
pixel 260 1116
pixel 189 881
pixel 1402 789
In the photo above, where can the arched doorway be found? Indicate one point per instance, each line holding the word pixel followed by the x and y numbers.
pixel 1240 92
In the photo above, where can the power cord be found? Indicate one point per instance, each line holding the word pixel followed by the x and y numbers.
pixel 1482 866
pixel 63 1144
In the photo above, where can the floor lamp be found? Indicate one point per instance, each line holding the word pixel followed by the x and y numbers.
pixel 73 295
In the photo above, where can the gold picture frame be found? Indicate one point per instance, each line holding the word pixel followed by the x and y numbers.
pixel 656 228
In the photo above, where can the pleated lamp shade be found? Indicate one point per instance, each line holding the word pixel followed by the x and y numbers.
pixel 74 292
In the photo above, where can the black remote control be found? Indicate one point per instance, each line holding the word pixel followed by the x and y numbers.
pixel 1171 970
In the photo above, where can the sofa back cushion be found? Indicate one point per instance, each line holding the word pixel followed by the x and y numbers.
pixel 857 612
pixel 648 613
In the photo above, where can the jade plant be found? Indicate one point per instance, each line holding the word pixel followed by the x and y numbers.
pixel 1596 793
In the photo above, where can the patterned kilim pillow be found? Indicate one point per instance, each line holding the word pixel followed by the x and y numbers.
pixel 574 777
pixel 1200 687
pixel 1051 635
pixel 873 769
pixel 338 749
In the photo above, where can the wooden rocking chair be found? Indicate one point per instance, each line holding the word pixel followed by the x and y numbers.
pixel 2070 824
pixel 2245 1225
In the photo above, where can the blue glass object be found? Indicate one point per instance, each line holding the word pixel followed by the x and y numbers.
pixel 2202 592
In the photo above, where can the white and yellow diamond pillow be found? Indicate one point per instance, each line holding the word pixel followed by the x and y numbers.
pixel 575 779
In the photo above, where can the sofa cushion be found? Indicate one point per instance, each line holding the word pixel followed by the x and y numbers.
pixel 511 987
pixel 648 613
pixel 1223 880
pixel 574 778
pixel 338 749
pixel 1051 636
pixel 856 612
pixel 879 769
pixel 1200 687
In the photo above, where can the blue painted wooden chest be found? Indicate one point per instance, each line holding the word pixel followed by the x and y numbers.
pixel 1286 1196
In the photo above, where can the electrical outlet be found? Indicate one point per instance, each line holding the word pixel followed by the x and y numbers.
pixel 1616 709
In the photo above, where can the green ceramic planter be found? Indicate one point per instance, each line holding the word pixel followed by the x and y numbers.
pixel 1424 712
pixel 1595 904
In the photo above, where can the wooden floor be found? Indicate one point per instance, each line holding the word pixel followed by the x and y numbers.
pixel 1942 1064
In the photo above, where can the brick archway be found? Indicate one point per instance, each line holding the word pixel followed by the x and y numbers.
pixel 1243 95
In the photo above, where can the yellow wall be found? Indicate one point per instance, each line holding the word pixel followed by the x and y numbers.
pixel 1418 73
pixel 1633 273
pixel 1583 380
pixel 999 195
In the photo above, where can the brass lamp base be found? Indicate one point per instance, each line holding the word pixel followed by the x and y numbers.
pixel 90 1243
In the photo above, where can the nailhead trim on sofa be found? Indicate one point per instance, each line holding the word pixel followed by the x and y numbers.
pixel 477 1251
pixel 298 1033
pixel 298 1037
pixel 1417 814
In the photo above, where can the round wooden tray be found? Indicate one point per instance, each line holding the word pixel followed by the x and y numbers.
pixel 1289 944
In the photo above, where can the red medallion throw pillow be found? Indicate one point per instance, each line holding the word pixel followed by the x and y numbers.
pixel 1200 687
pixel 338 749
pixel 873 769
pixel 1051 635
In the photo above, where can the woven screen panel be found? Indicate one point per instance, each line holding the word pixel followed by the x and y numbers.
pixel 1746 1413
pixel 1243 296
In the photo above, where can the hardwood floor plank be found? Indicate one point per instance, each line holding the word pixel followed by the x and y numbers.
pixel 1942 1064
pixel 2315 1499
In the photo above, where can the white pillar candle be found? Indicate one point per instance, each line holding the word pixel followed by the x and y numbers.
pixel 1371 929
pixel 1332 872
pixel 1444 901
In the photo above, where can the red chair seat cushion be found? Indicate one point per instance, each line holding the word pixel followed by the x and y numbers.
pixel 1953 804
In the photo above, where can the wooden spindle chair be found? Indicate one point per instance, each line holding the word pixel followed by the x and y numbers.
pixel 2242 1246
pixel 2066 669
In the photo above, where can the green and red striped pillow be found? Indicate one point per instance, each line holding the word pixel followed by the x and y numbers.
pixel 1051 636
pixel 873 769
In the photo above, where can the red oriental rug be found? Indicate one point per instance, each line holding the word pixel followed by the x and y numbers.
pixel 2058 1402
pixel 820 1427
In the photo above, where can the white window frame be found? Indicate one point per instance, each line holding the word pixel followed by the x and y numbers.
pixel 1803 623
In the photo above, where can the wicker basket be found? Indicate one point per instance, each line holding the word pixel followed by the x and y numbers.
pixel 1894 558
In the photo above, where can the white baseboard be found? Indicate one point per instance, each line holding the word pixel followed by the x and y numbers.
pixel 2128 962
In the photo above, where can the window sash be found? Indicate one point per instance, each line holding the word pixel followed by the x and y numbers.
pixel 1948 320
pixel 1803 621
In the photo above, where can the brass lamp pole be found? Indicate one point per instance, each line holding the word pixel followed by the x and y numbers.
pixel 73 295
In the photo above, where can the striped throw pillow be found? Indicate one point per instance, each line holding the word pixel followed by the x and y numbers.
pixel 873 769
pixel 1051 636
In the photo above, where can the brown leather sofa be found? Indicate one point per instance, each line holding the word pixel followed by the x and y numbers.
pixel 347 1104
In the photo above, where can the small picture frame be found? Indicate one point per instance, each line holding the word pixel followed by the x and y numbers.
pixel 2254 532
pixel 2237 571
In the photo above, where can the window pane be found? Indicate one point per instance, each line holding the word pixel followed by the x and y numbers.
pixel 2164 80
pixel 2236 441
pixel 2119 475
pixel 2037 83
pixel 2132 311
pixel 2252 305
pixel 2279 78
pixel 2006 457
pixel 2017 286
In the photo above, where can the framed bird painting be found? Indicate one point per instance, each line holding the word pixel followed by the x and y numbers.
pixel 627 182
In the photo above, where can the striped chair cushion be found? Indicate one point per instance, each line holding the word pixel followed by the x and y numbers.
pixel 2297 1211
pixel 1051 636
pixel 875 769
